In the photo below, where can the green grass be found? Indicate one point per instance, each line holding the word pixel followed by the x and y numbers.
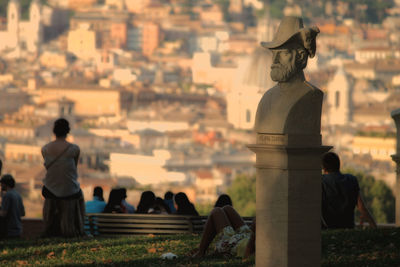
pixel 339 248
pixel 361 248
pixel 124 251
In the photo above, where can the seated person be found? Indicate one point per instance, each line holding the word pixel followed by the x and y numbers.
pixel 232 236
pixel 98 204
pixel 169 200
pixel 223 200
pixel 12 208
pixel 128 207
pixel 184 205
pixel 340 195
pixel 114 204
pixel 159 207
pixel 146 202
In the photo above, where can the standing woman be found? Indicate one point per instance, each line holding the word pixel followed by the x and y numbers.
pixel 64 206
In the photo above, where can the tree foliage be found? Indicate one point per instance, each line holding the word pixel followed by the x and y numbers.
pixel 243 194
pixel 377 196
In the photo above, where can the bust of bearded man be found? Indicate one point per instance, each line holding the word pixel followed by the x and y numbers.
pixel 293 106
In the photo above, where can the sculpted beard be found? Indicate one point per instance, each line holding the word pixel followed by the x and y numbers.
pixel 283 72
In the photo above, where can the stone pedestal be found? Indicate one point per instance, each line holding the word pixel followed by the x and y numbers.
pixel 288 204
pixel 396 158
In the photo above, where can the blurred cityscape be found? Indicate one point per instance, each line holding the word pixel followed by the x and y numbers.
pixel 162 94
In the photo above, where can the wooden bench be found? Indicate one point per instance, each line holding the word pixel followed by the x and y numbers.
pixel 130 224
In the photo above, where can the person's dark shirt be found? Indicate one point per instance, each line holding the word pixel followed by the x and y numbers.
pixel 13 206
pixel 187 210
pixel 339 198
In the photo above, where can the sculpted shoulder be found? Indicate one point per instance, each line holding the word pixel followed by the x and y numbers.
pixel 279 111
pixel 313 88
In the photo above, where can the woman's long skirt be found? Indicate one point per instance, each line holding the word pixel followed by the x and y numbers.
pixel 64 217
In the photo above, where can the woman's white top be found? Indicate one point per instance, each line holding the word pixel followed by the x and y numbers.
pixel 62 176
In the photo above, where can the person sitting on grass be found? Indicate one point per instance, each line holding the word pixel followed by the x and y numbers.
pixel 233 238
pixel 12 208
pixel 340 195
pixel 223 200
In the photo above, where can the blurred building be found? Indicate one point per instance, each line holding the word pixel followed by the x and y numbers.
pixel 22 35
pixel 339 99
pixel 89 101
pixel 145 169
pixel 83 42
pixel 379 148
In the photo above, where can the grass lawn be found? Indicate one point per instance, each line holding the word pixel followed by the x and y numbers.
pixel 339 248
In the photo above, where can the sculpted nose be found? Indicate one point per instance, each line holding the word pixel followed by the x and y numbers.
pixel 275 57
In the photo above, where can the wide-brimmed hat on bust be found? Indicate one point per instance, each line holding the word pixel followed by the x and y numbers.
pixel 289 28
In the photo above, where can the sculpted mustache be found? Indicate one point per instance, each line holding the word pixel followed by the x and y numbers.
pixel 276 65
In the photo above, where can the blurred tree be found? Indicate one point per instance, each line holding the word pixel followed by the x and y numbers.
pixel 377 196
pixel 276 8
pixel 368 11
pixel 243 194
pixel 204 209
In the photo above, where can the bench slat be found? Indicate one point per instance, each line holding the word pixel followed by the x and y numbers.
pixel 143 231
pixel 164 221
pixel 136 226
pixel 125 224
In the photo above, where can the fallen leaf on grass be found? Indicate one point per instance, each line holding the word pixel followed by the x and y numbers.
pixel 107 261
pixel 160 249
pixel 5 252
pixel 94 249
pixel 152 250
pixel 22 263
pixel 63 253
pixel 150 235
pixel 51 255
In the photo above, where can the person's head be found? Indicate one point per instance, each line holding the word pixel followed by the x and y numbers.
pixel 330 162
pixel 123 192
pixel 61 128
pixel 223 200
pixel 287 60
pixel 7 182
pixel 98 192
pixel 291 47
pixel 146 201
pixel 168 195
pixel 181 199
pixel 115 197
pixel 160 206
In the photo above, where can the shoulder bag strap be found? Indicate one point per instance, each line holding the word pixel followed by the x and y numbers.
pixel 59 156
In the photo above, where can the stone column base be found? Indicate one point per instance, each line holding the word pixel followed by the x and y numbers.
pixel 288 208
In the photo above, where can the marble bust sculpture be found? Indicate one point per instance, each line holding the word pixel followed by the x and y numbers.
pixel 293 106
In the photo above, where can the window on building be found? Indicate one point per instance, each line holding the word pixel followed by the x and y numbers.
pixel 337 99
